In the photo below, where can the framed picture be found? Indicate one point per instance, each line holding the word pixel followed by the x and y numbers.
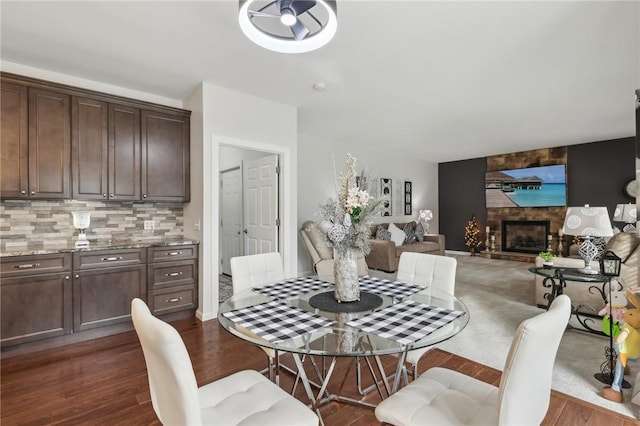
pixel 386 191
pixel 398 198
pixel 407 198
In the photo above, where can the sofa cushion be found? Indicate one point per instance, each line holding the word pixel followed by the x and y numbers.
pixel 622 244
pixel 319 241
pixel 417 247
pixel 397 234
pixel 420 232
pixel 410 234
pixel 383 234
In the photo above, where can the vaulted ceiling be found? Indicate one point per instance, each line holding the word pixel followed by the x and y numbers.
pixel 442 80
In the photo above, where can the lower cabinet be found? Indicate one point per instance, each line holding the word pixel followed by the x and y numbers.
pixel 50 296
pixel 36 298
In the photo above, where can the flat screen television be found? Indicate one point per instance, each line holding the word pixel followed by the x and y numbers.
pixel 544 186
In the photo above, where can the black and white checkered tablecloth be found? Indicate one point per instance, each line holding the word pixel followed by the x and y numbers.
pixel 291 287
pixel 405 322
pixel 395 289
pixel 276 321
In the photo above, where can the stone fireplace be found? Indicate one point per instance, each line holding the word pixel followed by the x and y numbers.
pixel 525 236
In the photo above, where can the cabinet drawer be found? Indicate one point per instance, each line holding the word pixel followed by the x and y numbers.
pixel 108 258
pixel 33 265
pixel 172 253
pixel 168 274
pixel 177 299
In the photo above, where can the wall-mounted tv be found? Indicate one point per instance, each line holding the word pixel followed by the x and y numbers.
pixel 544 186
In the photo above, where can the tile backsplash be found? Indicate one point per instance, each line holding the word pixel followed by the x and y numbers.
pixel 23 222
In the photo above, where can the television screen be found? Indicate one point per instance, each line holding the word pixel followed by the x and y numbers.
pixel 543 186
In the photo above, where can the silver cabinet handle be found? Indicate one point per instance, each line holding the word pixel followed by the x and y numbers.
pixel 77 276
pixel 111 195
pixel 111 259
pixel 174 253
pixel 26 266
pixel 33 192
pixel 174 300
pixel 173 274
pixel 67 277
pixel 144 195
pixel 104 195
pixel 23 192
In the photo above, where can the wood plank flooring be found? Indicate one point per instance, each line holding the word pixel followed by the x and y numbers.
pixel 104 382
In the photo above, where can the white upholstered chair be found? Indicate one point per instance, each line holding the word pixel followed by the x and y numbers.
pixel 445 397
pixel 254 270
pixel 431 272
pixel 243 398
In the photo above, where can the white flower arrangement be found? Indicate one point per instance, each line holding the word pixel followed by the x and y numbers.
pixel 347 220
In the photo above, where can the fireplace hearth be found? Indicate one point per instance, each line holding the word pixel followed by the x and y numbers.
pixel 525 236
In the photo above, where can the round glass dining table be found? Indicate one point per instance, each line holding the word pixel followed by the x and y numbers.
pixel 394 324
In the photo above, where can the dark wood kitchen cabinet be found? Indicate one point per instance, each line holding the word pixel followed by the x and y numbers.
pixel 165 156
pixel 172 277
pixel 36 297
pixel 39 169
pixel 105 150
pixel 104 283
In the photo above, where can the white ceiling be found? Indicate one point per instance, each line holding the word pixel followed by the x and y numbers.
pixel 442 80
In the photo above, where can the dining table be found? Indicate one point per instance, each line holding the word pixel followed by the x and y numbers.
pixel 300 316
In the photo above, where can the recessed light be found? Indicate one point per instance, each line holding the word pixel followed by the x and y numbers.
pixel 319 86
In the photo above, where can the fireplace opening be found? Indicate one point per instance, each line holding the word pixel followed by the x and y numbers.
pixel 525 236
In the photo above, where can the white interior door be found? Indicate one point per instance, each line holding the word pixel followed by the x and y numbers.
pixel 260 189
pixel 230 217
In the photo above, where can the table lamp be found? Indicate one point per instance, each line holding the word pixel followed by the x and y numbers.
pixel 424 216
pixel 587 222
pixel 81 221
pixel 628 214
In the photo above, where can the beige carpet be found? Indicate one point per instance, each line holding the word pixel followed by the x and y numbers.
pixel 499 295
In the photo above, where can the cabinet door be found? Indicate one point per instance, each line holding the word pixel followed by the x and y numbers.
pixel 14 171
pixel 102 297
pixel 124 153
pixel 89 149
pixel 35 307
pixel 165 156
pixel 49 144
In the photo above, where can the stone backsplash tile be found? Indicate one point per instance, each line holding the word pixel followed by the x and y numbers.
pixel 50 222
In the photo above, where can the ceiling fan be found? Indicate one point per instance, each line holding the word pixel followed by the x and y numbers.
pixel 291 26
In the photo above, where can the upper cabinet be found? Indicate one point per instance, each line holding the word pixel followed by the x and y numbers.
pixel 35 143
pixel 165 156
pixel 64 142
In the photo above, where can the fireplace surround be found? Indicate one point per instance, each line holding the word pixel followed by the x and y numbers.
pixel 525 236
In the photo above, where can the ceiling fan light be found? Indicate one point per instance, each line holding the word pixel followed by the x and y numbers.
pixel 289 44
pixel 288 18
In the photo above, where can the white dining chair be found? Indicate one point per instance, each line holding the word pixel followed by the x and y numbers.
pixel 243 398
pixel 445 397
pixel 254 270
pixel 431 272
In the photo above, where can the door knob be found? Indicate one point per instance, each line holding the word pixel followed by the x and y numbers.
pixel 245 231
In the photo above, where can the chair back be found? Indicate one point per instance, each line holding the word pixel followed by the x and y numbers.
pixel 428 270
pixel 525 386
pixel 172 383
pixel 255 269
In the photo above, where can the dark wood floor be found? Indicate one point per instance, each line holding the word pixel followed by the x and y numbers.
pixel 104 382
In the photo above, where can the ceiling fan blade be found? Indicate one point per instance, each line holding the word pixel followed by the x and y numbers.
pixel 301 6
pixel 299 30
pixel 253 13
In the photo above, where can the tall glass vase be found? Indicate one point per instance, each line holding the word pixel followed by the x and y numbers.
pixel 345 271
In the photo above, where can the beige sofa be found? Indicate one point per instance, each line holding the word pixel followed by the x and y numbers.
pixel 624 244
pixel 385 254
pixel 321 251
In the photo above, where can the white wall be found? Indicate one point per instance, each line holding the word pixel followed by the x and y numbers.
pixel 317 183
pixel 232 118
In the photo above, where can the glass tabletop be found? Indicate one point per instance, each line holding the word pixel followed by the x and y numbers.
pixel 345 334
pixel 572 274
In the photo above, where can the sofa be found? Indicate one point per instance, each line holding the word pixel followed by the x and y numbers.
pixel 624 244
pixel 385 253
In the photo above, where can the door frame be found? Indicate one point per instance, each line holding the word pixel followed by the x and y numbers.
pixel 220 207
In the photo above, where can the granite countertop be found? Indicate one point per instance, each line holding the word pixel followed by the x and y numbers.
pixel 33 249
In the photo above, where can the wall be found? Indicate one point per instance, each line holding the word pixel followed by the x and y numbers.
pixel 50 223
pixel 596 173
pixel 316 159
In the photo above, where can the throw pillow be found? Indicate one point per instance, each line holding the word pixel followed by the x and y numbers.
pixel 419 232
pixel 410 234
pixel 383 234
pixel 397 234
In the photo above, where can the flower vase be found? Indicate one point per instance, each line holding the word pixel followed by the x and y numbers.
pixel 347 336
pixel 345 271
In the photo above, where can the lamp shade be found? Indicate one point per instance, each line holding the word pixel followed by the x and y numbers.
pixel 626 213
pixel 425 215
pixel 587 222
